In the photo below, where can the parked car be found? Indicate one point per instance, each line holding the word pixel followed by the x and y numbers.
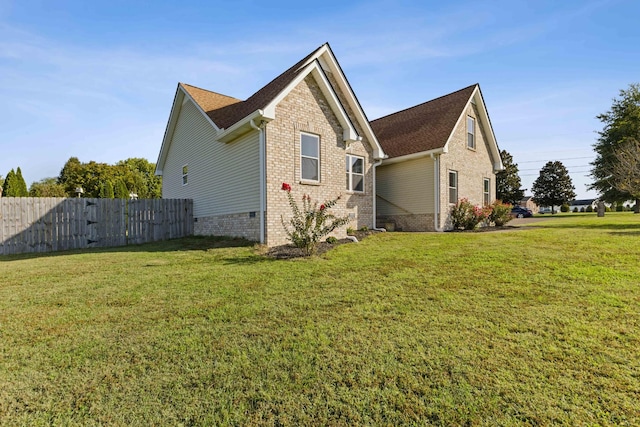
pixel 545 210
pixel 520 212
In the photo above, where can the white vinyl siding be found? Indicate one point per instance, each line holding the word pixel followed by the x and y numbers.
pixel 405 187
pixel 223 178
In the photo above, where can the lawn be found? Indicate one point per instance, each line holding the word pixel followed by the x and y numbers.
pixel 536 326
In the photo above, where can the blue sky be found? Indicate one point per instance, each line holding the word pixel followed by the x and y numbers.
pixel 96 80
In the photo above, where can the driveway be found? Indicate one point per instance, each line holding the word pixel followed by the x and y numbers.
pixel 518 222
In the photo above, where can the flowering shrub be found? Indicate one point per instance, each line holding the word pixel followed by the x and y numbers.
pixel 311 223
pixel 500 213
pixel 466 216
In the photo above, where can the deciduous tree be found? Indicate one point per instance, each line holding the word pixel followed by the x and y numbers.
pixel 553 186
pixel 621 128
pixel 47 187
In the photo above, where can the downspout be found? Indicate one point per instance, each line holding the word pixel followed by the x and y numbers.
pixel 436 191
pixel 375 196
pixel 263 179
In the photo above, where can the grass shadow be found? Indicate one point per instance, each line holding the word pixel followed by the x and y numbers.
pixel 193 243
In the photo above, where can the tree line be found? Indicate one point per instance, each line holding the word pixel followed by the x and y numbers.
pixel 133 177
pixel 615 170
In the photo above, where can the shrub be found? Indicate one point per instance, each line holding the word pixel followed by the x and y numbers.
pixel 582 209
pixel 500 213
pixel 564 208
pixel 619 208
pixel 364 228
pixel 312 223
pixel 607 209
pixel 351 231
pixel 332 240
pixel 466 216
pixel 589 208
pixel 575 209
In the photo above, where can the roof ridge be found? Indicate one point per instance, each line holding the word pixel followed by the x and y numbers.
pixel 426 102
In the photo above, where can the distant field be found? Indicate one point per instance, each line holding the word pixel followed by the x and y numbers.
pixel 536 326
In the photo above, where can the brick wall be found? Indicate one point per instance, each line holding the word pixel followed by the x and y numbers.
pixel 472 166
pixel 236 225
pixel 305 109
pixel 408 222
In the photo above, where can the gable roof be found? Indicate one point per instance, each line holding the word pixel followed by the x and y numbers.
pixel 428 127
pixel 425 127
pixel 231 116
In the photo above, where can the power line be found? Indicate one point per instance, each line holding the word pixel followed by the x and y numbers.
pixel 568 158
pixel 568 167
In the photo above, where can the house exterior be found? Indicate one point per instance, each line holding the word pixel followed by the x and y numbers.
pixel 305 128
pixel 582 205
pixel 527 202
pixel 438 153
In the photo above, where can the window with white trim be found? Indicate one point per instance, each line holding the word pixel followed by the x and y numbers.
pixel 185 174
pixel 309 157
pixel 471 132
pixel 355 173
pixel 486 192
pixel 453 187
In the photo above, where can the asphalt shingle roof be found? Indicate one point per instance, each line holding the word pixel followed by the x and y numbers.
pixel 424 127
pixel 225 111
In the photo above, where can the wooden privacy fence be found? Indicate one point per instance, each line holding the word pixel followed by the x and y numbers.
pixel 43 224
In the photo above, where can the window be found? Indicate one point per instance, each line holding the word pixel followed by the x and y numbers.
pixel 310 157
pixel 453 187
pixel 185 174
pixel 355 173
pixel 486 193
pixel 471 132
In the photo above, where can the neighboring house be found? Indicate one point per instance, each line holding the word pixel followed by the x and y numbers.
pixel 527 202
pixel 583 204
pixel 231 156
pixel 438 153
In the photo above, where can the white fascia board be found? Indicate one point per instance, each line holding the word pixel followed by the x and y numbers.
pixel 413 156
pixel 332 63
pixel 350 134
pixel 168 132
pixel 242 126
pixel 486 123
pixel 484 117
pixel 180 98
pixel 206 116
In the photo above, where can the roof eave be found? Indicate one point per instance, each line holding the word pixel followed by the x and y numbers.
pixel 413 156
pixel 243 126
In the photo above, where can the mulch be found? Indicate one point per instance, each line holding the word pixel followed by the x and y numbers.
pixel 290 251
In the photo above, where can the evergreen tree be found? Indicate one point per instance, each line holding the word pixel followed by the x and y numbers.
pixel 621 129
pixel 21 185
pixel 9 188
pixel 106 190
pixel 553 186
pixel 121 191
pixel 508 181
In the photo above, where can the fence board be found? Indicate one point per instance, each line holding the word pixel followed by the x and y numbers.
pixel 54 224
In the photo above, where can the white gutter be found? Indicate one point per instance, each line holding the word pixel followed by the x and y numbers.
pixel 436 191
pixel 375 210
pixel 413 156
pixel 263 179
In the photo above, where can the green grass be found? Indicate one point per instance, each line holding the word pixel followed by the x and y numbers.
pixel 538 326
